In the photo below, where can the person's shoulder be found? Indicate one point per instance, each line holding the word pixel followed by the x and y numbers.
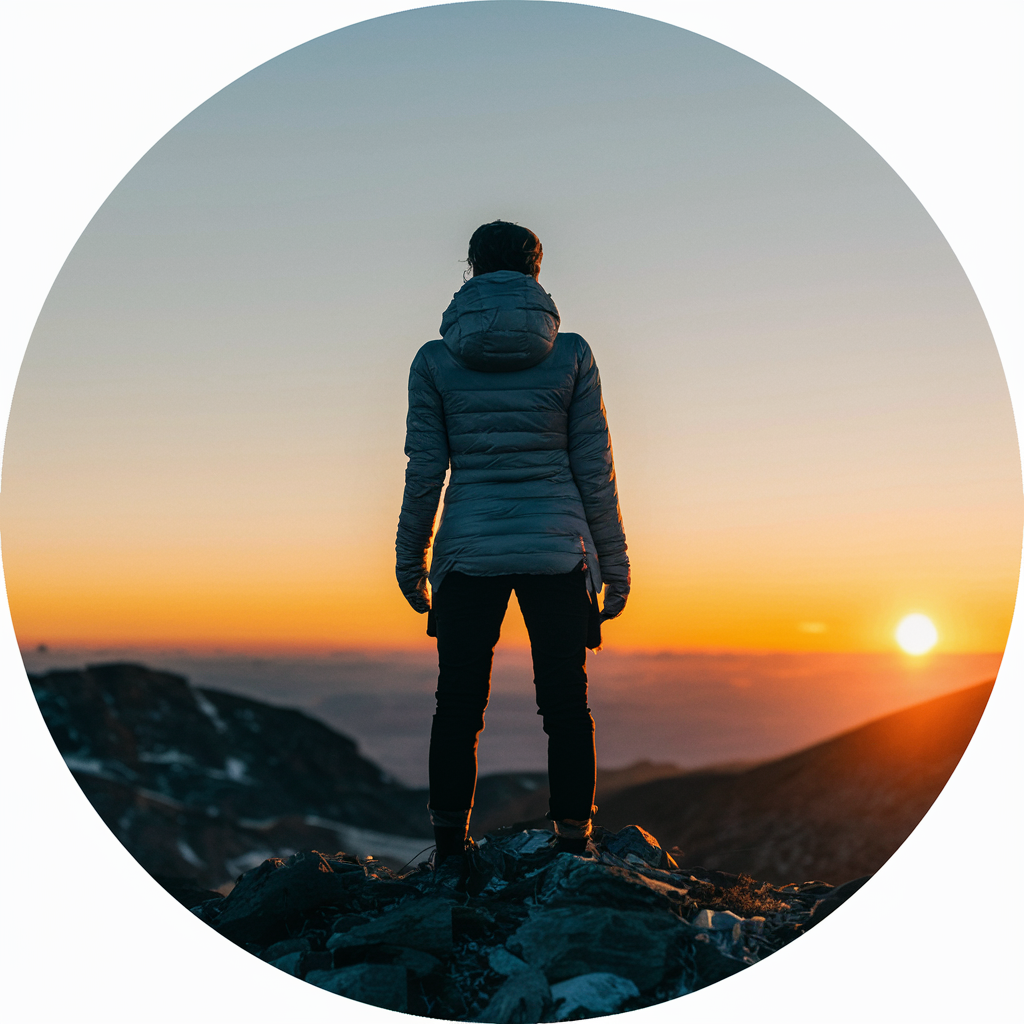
pixel 578 346
pixel 427 354
pixel 430 349
pixel 575 343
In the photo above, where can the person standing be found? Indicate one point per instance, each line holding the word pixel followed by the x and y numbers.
pixel 514 408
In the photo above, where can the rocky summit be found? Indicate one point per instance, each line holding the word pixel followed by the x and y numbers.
pixel 512 933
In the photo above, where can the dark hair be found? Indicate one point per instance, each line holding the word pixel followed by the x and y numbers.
pixel 502 245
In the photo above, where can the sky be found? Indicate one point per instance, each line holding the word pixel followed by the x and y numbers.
pixel 812 433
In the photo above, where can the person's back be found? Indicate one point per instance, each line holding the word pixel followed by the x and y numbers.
pixel 515 409
pixel 522 425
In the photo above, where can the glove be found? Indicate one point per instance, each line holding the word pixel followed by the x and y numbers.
pixel 615 573
pixel 414 588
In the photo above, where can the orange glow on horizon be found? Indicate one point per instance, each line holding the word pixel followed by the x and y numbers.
pixel 309 602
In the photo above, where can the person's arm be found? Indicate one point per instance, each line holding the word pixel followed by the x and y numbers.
pixel 426 445
pixel 590 458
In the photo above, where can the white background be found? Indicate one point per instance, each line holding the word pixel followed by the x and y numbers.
pixel 934 86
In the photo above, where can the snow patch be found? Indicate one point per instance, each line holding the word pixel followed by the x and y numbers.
pixel 166 757
pixel 209 709
pixel 190 855
pixel 236 866
pixel 237 770
pixel 364 842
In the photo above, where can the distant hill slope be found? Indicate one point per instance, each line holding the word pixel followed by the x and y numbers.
pixel 199 783
pixel 834 811
pixel 513 797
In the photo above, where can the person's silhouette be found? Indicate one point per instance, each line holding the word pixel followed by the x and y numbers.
pixel 514 408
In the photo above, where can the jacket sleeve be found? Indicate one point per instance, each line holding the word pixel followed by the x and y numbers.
pixel 590 458
pixel 426 445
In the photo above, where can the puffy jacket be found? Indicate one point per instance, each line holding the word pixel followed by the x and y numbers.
pixel 515 409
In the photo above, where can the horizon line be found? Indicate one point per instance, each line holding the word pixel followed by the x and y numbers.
pixel 378 650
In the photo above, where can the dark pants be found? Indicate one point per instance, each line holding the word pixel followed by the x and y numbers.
pixel 468 612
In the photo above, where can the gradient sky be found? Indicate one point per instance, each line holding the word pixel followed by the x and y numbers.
pixel 812 431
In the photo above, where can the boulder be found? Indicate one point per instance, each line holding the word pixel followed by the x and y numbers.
pixel 289 963
pixel 284 947
pixel 421 964
pixel 834 899
pixel 503 962
pixel 638 844
pixel 591 995
pixel 575 880
pixel 568 941
pixel 522 999
pixel 527 842
pixel 382 985
pixel 711 965
pixel 278 891
pixel 424 924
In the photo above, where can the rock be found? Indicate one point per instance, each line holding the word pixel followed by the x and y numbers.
pixel 277 891
pixel 835 898
pixel 522 999
pixel 569 941
pixel 574 880
pixel 594 994
pixel 382 985
pixel 470 922
pixel 347 922
pixel 682 989
pixel 284 947
pixel 186 892
pixel 421 964
pixel 528 841
pixel 717 921
pixel 712 965
pixel 633 841
pixel 424 924
pixel 288 963
pixel 503 962
pixel 320 960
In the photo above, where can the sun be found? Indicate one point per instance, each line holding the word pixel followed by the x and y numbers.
pixel 916 634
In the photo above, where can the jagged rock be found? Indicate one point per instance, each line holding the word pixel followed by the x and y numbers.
pixel 377 984
pixel 471 922
pixel 289 963
pixel 528 841
pixel 569 941
pixel 633 842
pixel 535 919
pixel 522 999
pixel 267 897
pixel 835 898
pixel 284 947
pixel 347 922
pixel 421 964
pixel 503 962
pixel 186 892
pixel 575 880
pixel 317 960
pixel 712 965
pixel 590 995
pixel 424 924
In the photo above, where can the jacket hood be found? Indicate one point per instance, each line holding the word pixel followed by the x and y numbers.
pixel 499 322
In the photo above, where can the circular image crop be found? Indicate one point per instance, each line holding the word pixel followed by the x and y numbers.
pixel 299 418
